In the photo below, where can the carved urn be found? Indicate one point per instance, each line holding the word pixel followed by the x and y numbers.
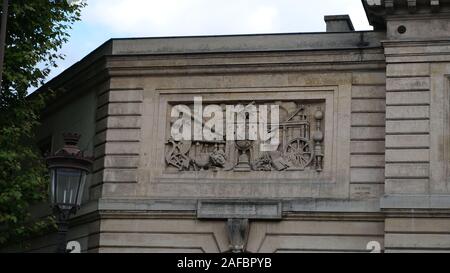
pixel 243 162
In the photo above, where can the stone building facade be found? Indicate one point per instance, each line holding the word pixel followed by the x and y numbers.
pixel 364 159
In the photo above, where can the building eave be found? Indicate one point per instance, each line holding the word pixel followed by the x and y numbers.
pixel 217 44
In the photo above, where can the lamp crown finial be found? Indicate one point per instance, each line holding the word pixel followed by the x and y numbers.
pixel 71 139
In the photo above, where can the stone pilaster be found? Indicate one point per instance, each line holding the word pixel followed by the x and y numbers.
pixel 417 49
pixel 117 142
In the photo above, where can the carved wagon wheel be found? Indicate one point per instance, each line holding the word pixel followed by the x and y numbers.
pixel 299 152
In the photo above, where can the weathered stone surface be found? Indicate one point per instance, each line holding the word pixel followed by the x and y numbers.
pixel 417 170
pixel 407 126
pixel 367 160
pixel 239 210
pixel 408 98
pixel 372 105
pixel 407 141
pixel 405 84
pixel 407 155
pixel 409 70
pixel 407 186
pixel 124 109
pixel 367 147
pixel 369 133
pixel 411 241
pixel 119 122
pixel 368 119
pixel 407 112
pixel 369 91
pixel 422 225
pixel 125 96
pixel 369 79
pixel 118 148
pixel 367 175
pixel 366 191
pixel 339 23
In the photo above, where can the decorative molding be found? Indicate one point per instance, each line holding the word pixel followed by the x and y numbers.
pixel 224 209
pixel 377 10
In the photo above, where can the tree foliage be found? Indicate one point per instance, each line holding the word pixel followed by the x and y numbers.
pixel 36 31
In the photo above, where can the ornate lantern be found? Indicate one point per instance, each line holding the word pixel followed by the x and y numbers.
pixel 68 171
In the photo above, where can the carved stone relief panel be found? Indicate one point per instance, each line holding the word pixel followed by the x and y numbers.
pixel 300 146
pixel 312 157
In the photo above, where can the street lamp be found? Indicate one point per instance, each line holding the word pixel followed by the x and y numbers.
pixel 68 171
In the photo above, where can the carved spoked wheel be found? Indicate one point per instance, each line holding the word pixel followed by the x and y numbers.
pixel 299 153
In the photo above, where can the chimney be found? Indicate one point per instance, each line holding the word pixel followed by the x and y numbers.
pixel 339 23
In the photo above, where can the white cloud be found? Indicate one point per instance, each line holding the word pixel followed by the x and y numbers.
pixel 264 19
pixel 104 19
pixel 197 17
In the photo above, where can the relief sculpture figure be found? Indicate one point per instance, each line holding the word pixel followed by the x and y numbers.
pixel 218 158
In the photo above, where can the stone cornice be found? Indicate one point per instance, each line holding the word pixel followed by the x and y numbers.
pixel 305 209
pixel 378 11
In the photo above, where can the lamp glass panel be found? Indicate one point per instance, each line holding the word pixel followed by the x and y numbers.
pixel 67 185
pixel 52 188
pixel 79 197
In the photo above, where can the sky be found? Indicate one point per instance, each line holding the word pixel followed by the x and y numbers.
pixel 105 19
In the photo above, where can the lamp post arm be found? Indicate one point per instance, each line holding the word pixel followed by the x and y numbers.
pixel 63 227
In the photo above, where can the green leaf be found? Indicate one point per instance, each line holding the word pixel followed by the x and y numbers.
pixel 36 31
